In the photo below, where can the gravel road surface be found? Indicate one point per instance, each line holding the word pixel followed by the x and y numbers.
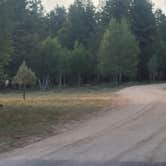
pixel 131 134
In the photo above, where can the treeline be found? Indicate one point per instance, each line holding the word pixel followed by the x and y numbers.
pixel 124 40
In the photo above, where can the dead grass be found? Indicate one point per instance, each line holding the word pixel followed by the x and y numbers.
pixel 43 113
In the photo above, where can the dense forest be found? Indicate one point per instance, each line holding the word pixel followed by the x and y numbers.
pixel 123 40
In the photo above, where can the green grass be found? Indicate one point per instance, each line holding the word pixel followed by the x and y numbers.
pixel 44 113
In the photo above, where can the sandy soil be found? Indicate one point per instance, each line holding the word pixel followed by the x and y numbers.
pixel 132 133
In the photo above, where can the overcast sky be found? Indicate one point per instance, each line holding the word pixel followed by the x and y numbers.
pixel 50 4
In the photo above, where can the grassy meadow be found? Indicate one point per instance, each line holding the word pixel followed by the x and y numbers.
pixel 45 113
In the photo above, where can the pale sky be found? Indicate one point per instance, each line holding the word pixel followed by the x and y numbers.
pixel 50 4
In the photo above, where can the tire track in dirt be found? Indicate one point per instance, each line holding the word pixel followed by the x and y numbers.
pixel 155 151
pixel 108 137
pixel 88 140
pixel 142 143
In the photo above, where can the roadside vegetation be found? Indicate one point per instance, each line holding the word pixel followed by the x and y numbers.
pixel 45 113
pixel 117 42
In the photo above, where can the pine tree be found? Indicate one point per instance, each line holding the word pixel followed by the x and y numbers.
pixel 79 25
pixel 144 28
pixel 28 32
pixel 5 36
pixel 161 57
pixel 57 18
pixel 25 77
pixel 153 67
pixel 117 9
pixel 161 24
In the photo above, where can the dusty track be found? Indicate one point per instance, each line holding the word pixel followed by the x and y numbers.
pixel 132 134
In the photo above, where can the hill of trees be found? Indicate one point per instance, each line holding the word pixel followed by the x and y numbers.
pixel 123 41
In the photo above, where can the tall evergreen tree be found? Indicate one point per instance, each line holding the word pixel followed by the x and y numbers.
pixel 117 9
pixel 161 57
pixel 5 36
pixel 80 24
pixel 24 77
pixel 153 67
pixel 161 24
pixel 24 26
pixel 27 33
pixel 144 27
pixel 57 18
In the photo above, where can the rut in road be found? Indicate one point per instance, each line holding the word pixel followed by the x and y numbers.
pixel 141 143
pixel 88 140
pixel 132 133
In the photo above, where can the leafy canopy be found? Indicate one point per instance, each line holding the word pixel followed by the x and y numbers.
pixel 118 50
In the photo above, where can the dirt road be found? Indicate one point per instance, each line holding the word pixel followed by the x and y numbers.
pixel 131 134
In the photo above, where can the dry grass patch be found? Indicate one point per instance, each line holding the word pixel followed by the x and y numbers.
pixel 42 113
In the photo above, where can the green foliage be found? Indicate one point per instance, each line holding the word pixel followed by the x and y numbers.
pixel 29 30
pixel 25 76
pixel 79 62
pixel 118 50
pixel 80 24
pixel 64 45
pixel 156 64
pixel 57 18
pixel 117 9
pixel 153 67
pixel 54 60
pixel 162 57
pixel 153 64
pixel 50 52
pixel 5 37
pixel 144 28
pixel 161 24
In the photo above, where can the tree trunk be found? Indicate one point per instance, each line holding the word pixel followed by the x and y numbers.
pixel 120 78
pixel 24 92
pixel 60 80
pixel 40 84
pixel 64 80
pixel 154 77
pixel 98 78
pixel 79 80
pixel 43 83
pixel 46 83
pixel 115 79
